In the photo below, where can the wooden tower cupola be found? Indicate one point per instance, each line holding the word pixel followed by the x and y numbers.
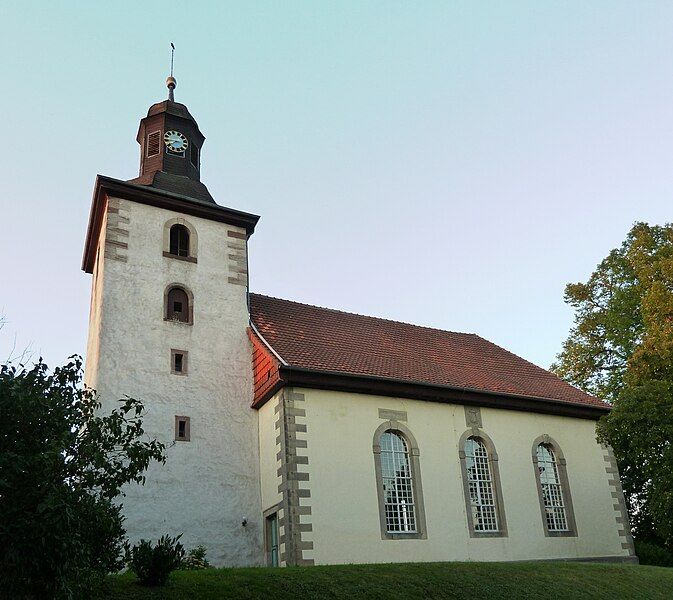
pixel 170 149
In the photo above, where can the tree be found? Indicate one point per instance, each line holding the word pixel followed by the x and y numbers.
pixel 621 349
pixel 61 467
pixel 640 430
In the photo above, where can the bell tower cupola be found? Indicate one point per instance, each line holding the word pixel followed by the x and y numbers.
pixel 170 149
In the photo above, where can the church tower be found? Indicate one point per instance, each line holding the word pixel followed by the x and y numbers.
pixel 168 319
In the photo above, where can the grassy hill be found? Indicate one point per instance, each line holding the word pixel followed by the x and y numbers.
pixel 511 581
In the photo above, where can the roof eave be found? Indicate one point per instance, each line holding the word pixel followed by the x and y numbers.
pixel 384 386
pixel 107 186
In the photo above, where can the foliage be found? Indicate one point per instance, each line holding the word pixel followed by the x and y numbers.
pixel 61 466
pixel 652 554
pixel 621 349
pixel 608 319
pixel 640 430
pixel 151 565
pixel 196 559
pixel 456 581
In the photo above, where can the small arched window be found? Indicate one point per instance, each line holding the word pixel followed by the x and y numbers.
pixel 553 488
pixel 481 483
pixel 398 483
pixel 177 305
pixel 179 240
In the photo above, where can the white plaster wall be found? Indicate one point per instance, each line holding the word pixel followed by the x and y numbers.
pixel 268 452
pixel 345 519
pixel 95 315
pixel 208 485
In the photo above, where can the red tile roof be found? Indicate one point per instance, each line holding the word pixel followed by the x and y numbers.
pixel 323 339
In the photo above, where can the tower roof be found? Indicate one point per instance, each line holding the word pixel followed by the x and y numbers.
pixel 170 149
pixel 175 109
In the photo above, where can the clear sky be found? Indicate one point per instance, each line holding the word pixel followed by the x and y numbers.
pixel 451 164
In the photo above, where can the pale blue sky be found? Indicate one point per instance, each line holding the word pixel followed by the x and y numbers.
pixel 451 164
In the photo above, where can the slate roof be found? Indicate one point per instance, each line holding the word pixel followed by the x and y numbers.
pixel 176 184
pixel 322 339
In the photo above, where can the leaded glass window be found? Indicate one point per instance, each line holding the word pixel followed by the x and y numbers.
pixel 483 510
pixel 552 489
pixel 400 510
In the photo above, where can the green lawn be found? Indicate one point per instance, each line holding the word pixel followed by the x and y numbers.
pixel 510 581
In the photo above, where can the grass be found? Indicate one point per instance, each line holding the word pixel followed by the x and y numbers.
pixel 510 581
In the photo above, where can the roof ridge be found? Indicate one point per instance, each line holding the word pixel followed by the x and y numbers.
pixel 345 312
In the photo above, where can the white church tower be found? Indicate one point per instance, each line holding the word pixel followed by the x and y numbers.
pixel 168 320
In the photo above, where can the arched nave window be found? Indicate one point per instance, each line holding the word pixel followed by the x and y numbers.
pixel 553 489
pixel 400 494
pixel 481 486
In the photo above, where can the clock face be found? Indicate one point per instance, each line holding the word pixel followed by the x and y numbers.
pixel 175 142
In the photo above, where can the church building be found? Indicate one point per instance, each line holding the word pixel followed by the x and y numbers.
pixel 299 435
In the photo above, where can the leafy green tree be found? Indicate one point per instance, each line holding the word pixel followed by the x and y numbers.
pixel 608 326
pixel 61 466
pixel 640 430
pixel 621 349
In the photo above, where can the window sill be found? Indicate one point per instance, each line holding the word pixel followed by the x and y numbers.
pixel 560 533
pixel 178 322
pixel 488 534
pixel 404 536
pixel 190 259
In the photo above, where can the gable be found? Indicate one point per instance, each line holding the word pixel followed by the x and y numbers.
pixel 265 370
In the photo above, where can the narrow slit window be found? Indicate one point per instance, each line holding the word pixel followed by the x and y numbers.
pixel 179 362
pixel 182 429
pixel 194 155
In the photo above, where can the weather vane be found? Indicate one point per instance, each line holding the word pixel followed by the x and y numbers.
pixel 170 82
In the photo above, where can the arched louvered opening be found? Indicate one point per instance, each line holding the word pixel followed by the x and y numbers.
pixel 178 305
pixel 179 240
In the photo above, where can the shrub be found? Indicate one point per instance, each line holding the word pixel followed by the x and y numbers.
pixel 653 554
pixel 151 565
pixel 62 464
pixel 196 559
